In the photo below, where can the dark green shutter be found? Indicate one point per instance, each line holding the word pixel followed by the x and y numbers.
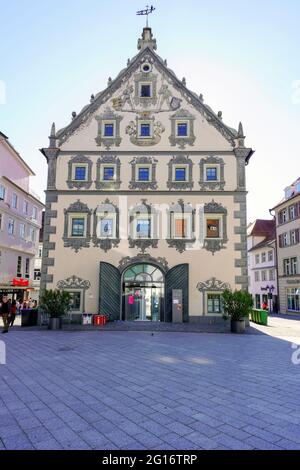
pixel 110 291
pixel 177 278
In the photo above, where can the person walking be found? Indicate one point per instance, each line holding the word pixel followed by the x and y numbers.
pixel 12 314
pixel 4 311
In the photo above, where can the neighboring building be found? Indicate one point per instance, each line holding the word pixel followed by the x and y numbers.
pixel 20 222
pixel 287 214
pixel 37 267
pixel 262 266
pixel 146 200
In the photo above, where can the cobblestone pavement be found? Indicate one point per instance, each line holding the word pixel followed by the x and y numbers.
pixel 138 390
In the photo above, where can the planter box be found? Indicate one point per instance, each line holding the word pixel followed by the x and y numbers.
pixel 238 326
pixel 55 323
pixel 29 317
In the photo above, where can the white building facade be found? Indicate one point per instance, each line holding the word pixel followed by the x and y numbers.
pixel 262 264
pixel 146 200
pixel 20 223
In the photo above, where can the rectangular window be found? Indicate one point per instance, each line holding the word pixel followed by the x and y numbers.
pixel 19 266
pixel 292 212
pixel 180 174
pixel 213 228
pixel 11 226
pixel 145 91
pixel 270 255
pixel 294 266
pixel 1 221
pixel 40 252
pixel 256 259
pixel 182 129
pixel 263 257
pixel 108 173
pixel 144 174
pixel 293 299
pixel 257 300
pixel 77 227
pixel 34 213
pixel 108 130
pixel 22 231
pixel 211 174
pixel 286 267
pixel 271 275
pixel 214 303
pixel 14 201
pixel 264 275
pixel 181 228
pixel 25 207
pixel 27 265
pixel 285 239
pixel 106 227
pixel 256 276
pixel 145 130
pixel 80 173
pixel 32 234
pixel 143 228
pixel 37 274
pixel 2 192
pixel 75 301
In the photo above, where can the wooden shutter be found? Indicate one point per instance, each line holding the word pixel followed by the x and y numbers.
pixel 110 291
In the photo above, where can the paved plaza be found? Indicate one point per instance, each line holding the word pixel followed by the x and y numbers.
pixel 143 390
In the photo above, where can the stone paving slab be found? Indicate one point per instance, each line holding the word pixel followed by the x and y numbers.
pixel 138 390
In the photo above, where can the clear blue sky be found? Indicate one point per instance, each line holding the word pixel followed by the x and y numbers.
pixel 243 56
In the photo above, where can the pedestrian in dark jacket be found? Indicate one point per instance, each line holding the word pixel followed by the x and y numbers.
pixel 4 311
pixel 12 314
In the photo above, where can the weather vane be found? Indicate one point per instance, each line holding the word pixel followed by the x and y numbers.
pixel 146 12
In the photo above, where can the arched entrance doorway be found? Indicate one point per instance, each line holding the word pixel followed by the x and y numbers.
pixel 143 292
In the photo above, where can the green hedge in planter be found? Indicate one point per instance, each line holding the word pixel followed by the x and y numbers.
pixel 237 305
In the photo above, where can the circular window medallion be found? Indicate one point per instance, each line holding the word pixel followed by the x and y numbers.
pixel 146 68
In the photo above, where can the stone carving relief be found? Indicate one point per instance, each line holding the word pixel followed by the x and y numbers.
pixel 133 131
pixel 77 243
pixel 101 139
pixel 212 284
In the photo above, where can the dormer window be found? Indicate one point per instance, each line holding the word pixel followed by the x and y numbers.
pixel 109 129
pixel 180 173
pixel 108 173
pixel 211 173
pixel 213 228
pixel 145 130
pixel 182 129
pixel 145 90
pixel 143 173
pixel 80 173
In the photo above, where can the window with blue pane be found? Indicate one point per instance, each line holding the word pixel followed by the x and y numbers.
pixel 143 228
pixel 108 130
pixel 144 174
pixel 211 174
pixel 80 173
pixel 108 173
pixel 180 174
pixel 78 227
pixel 146 91
pixel 145 130
pixel 106 228
pixel 182 129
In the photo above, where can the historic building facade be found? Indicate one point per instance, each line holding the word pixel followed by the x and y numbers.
pixel 287 216
pixel 262 263
pixel 20 223
pixel 146 200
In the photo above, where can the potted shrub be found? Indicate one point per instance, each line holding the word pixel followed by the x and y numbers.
pixel 56 304
pixel 237 305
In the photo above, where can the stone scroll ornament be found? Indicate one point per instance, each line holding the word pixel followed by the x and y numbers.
pixel 132 131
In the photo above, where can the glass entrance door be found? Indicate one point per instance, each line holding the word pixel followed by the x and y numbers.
pixel 143 303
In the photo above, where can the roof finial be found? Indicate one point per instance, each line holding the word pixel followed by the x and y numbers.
pixel 241 137
pixel 147 36
pixel 52 137
pixel 146 12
